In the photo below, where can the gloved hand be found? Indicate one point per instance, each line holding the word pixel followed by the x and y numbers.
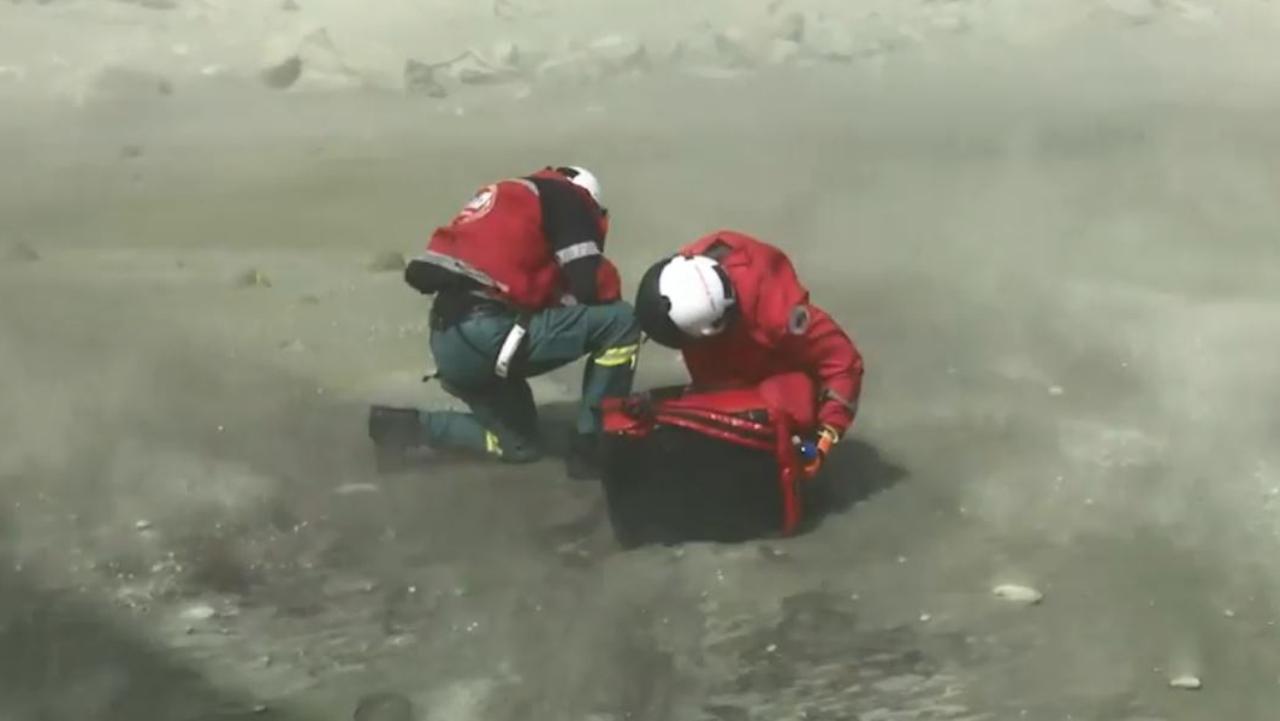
pixel 814 451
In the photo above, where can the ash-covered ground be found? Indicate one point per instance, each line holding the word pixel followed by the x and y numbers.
pixel 1064 279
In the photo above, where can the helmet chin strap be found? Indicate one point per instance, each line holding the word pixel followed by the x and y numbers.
pixel 730 301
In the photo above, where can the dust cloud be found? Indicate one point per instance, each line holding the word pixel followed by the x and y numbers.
pixel 1061 266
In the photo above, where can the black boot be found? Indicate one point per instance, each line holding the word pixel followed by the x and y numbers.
pixel 585 459
pixel 396 433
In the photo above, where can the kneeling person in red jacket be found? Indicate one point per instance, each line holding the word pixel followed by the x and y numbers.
pixel 521 288
pixel 738 313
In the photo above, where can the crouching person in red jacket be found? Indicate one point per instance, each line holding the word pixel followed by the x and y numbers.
pixel 735 309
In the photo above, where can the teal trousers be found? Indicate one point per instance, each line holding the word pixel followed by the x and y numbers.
pixel 502 420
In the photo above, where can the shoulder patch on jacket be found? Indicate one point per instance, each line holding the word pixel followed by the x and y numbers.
pixel 479 205
pixel 798 321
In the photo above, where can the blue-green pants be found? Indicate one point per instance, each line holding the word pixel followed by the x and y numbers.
pixel 503 421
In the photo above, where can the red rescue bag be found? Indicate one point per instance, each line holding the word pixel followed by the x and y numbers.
pixel 696 464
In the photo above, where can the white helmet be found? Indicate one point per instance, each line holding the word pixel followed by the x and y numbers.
pixel 582 178
pixel 684 298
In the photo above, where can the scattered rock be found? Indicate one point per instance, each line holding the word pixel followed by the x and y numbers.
pixel 20 252
pixel 284 74
pixel 383 707
pixel 773 553
pixel 1187 682
pixel 348 489
pixel 142 525
pixel 619 54
pixel 899 684
pixel 342 586
pixel 475 70
pixel 253 278
pixel 198 612
pixel 314 61
pixel 391 260
pixel 1018 594
pixel 420 79
pixel 1056 391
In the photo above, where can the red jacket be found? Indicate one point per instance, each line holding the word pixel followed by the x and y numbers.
pixel 777 330
pixel 501 232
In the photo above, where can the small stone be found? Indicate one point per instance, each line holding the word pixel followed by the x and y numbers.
pixel 617 54
pixel 142 525
pixel 1187 682
pixel 283 74
pixel 388 261
pixel 472 70
pixel 290 6
pixel 420 79
pixel 349 489
pixel 198 612
pixel 926 617
pixel 772 552
pixel 292 346
pixel 22 253
pixel 131 151
pixel 899 684
pixel 1018 594
pixel 253 278
pixel 1056 391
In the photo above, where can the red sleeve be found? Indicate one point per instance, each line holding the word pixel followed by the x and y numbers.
pixel 608 282
pixel 812 341
pixel 829 354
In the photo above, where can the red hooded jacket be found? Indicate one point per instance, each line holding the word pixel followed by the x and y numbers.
pixel 778 330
